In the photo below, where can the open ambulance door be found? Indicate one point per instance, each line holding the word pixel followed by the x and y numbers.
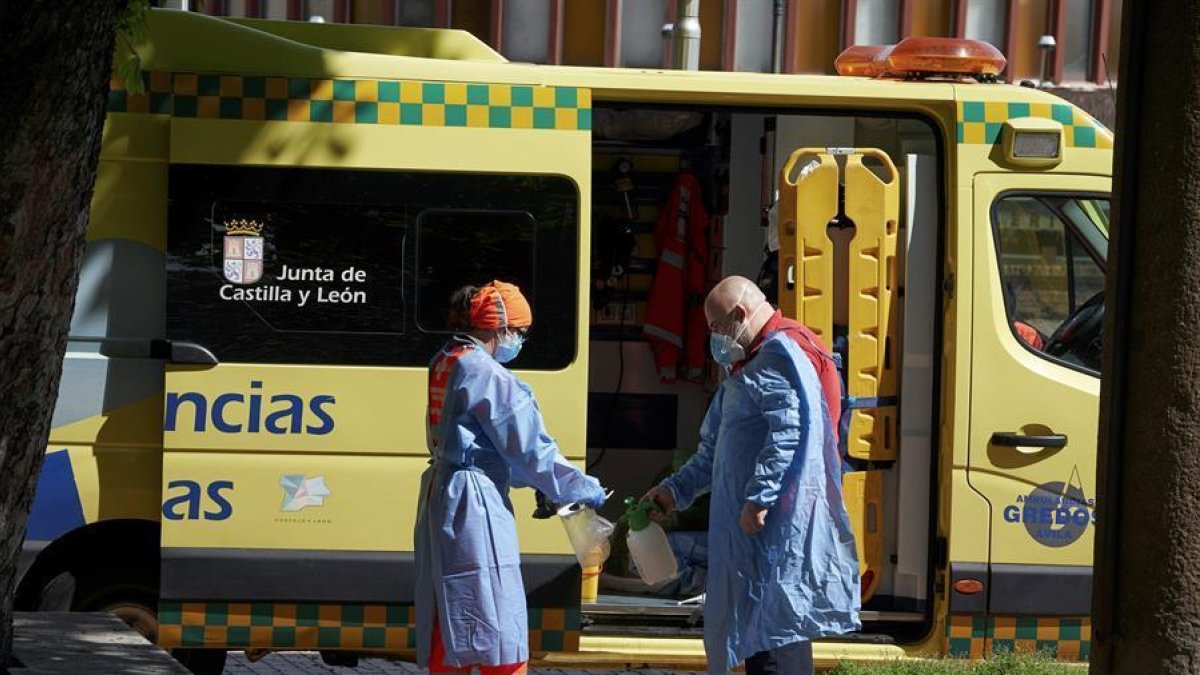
pixel 310 262
pixel 1040 243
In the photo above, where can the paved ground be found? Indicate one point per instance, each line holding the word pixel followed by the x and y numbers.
pixel 308 663
pixel 305 663
pixel 53 643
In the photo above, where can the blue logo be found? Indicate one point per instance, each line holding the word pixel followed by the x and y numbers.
pixel 1055 514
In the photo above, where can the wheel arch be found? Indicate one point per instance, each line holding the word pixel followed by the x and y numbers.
pixel 92 551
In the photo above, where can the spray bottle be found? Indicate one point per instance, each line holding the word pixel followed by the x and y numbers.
pixel 648 545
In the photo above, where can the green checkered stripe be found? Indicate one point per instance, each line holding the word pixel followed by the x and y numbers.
pixel 308 626
pixel 554 629
pixel 976 636
pixel 355 101
pixel 980 122
pixel 286 626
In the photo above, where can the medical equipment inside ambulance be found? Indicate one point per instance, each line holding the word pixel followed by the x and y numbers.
pixel 823 208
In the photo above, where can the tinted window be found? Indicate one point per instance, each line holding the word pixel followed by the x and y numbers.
pixel 457 247
pixel 319 266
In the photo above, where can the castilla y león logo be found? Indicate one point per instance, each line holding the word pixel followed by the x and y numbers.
pixel 300 491
pixel 243 251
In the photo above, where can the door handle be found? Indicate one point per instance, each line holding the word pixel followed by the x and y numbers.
pixel 1013 440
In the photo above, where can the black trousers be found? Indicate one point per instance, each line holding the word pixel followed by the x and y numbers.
pixel 793 659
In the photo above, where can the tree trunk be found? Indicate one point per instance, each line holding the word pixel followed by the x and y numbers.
pixel 1147 583
pixel 56 57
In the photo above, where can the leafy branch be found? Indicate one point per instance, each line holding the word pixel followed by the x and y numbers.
pixel 132 30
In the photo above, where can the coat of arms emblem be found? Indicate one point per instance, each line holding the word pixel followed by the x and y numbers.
pixel 243 251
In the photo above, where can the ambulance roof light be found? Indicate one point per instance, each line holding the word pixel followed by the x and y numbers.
pixel 863 61
pixel 923 56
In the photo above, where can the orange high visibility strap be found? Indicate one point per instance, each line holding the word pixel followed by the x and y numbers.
pixel 439 377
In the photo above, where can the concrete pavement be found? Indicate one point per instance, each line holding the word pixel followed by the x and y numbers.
pixel 54 643
pixel 72 643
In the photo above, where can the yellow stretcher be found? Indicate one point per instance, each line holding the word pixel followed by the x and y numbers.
pixel 808 201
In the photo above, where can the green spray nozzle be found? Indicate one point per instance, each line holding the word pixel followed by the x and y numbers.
pixel 637 514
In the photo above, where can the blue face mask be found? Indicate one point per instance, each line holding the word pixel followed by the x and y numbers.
pixel 725 350
pixel 508 346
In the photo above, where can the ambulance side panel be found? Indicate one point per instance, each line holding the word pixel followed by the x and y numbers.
pixel 314 259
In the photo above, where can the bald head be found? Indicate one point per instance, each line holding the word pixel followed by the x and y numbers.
pixel 734 300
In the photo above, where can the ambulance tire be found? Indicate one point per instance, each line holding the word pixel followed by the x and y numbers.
pixel 56 594
pixel 137 605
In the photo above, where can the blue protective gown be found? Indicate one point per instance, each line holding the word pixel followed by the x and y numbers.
pixel 490 437
pixel 766 439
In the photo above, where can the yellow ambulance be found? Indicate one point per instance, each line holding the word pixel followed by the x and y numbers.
pixel 283 209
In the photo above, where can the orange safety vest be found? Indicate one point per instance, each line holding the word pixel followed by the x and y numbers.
pixel 675 325
pixel 439 377
pixel 821 359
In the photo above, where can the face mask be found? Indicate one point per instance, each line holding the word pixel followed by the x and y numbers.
pixel 508 346
pixel 727 350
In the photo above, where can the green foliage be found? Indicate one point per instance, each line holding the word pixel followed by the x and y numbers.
pixel 1005 663
pixel 132 30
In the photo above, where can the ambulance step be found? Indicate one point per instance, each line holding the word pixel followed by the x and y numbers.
pixel 643 630
pixel 646 631
pixel 613 605
pixel 621 607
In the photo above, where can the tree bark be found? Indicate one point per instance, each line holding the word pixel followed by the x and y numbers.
pixel 56 58
pixel 1146 603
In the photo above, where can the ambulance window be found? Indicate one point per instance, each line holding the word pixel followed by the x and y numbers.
pixel 1051 259
pixel 353 267
pixel 457 247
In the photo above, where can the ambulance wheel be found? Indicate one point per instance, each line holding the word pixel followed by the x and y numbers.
pixel 137 607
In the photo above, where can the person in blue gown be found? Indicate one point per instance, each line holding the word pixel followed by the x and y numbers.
pixel 783 569
pixel 485 434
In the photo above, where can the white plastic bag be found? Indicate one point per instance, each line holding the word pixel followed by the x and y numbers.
pixel 589 533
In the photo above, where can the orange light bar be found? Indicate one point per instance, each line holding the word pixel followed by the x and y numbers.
pixel 956 56
pixel 863 61
pixel 922 56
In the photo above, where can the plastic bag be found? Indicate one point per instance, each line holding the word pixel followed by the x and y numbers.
pixel 589 534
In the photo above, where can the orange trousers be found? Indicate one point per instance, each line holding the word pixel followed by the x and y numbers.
pixel 437 659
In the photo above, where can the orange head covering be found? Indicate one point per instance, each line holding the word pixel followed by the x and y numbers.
pixel 500 305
